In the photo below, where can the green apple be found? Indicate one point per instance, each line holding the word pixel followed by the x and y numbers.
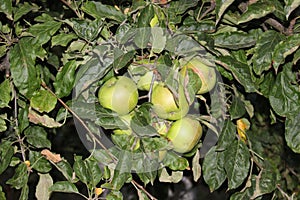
pixel 184 134
pixel 164 104
pixel 119 94
pixel 206 74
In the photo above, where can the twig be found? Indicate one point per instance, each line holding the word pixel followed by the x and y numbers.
pixel 212 7
pixel 135 184
pixel 80 121
pixel 73 9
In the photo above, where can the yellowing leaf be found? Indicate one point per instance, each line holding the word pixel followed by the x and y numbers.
pixel 242 126
pixel 51 156
pixel 44 120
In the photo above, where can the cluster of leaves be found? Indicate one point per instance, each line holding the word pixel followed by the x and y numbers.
pixel 47 51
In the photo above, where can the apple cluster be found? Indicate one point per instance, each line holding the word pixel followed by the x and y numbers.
pixel 121 94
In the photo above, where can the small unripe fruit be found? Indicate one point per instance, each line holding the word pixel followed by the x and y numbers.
pixel 119 94
pixel 184 134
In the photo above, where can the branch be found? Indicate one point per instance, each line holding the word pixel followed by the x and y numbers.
pixel 73 9
pixel 135 184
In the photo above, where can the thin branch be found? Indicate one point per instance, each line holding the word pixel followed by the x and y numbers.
pixel 211 8
pixel 73 9
pixel 135 184
pixel 81 122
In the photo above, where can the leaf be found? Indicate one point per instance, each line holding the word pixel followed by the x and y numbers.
pixel 213 169
pixel 3 126
pixel 123 60
pixel 23 118
pixel 94 170
pixel 290 6
pixel 221 6
pixel 146 15
pixel 292 132
pixel 23 71
pixel 227 135
pixel 81 169
pixel 63 186
pixel 23 9
pixel 234 40
pixel 43 101
pixel 142 37
pixel 20 178
pixel 65 168
pixel 237 108
pixel 39 163
pixel 240 71
pixel 51 156
pixel 62 39
pixel 37 137
pixel 146 166
pixel 5 92
pixel 284 49
pixel 284 96
pixel 6 154
pixel 175 177
pixel 42 188
pixel 44 31
pixel 24 192
pixel 237 163
pixel 257 10
pixel 99 10
pixel 65 79
pixel 175 162
pixel 262 58
pixel 2 194
pixel 88 30
pixel 6 7
pixel 114 195
pixel 158 40
pixel 196 167
pixel 44 120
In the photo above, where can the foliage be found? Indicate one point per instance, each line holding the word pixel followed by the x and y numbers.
pixel 56 55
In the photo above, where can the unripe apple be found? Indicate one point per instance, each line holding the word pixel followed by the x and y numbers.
pixel 164 104
pixel 184 134
pixel 119 94
pixel 206 74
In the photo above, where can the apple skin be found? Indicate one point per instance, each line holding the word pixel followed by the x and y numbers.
pixel 184 134
pixel 207 74
pixel 119 94
pixel 164 104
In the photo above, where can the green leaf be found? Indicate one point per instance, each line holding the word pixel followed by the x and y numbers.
pixel 196 167
pixel 94 170
pixel 262 58
pixel 43 101
pixel 158 40
pixel 213 169
pixel 24 192
pixel 23 119
pixel 6 154
pixel 142 37
pixel 3 126
pixel 65 168
pixel 123 60
pixel 257 10
pixel 290 6
pixel 114 195
pixel 99 10
pixel 146 15
pixel 6 7
pixel 2 194
pixel 154 144
pixel 39 162
pixel 227 135
pixel 108 119
pixel 37 137
pixel 146 166
pixel 5 92
pixel 234 40
pixel 237 163
pixel 241 71
pixel 284 49
pixel 23 9
pixel 175 162
pixel 62 39
pixel 175 177
pixel 42 189
pixel 81 169
pixel 23 71
pixel 63 186
pixel 237 108
pixel 221 6
pixel 284 96
pixel 44 31
pixel 88 30
pixel 292 132
pixel 124 141
pixel 65 79
pixel 20 178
